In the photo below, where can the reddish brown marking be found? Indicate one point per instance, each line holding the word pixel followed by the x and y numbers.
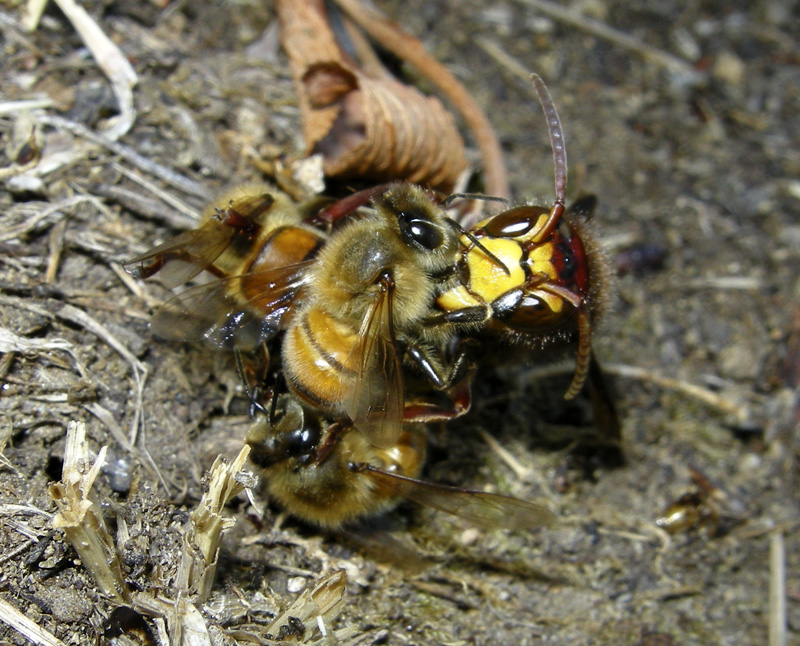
pixel 571 263
pixel 346 206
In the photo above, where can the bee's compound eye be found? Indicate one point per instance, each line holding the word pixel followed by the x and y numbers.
pixel 420 231
pixel 302 441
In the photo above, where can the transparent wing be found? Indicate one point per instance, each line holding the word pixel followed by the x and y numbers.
pixel 235 312
pixel 374 397
pixel 485 510
pixel 181 258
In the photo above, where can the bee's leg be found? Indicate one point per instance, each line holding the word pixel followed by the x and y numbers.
pixel 253 372
pixel 256 407
pixel 333 213
pixel 429 366
pixel 428 410
pixel 280 380
pixel 454 380
pixel 245 375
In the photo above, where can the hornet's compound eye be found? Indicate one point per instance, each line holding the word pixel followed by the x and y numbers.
pixel 514 223
pixel 420 231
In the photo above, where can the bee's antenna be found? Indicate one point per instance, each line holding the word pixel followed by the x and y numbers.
pixel 472 196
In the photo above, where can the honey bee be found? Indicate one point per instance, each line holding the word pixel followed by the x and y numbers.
pixel 329 474
pixel 370 293
pixel 543 278
pixel 351 302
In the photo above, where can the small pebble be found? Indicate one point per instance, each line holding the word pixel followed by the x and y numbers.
pixel 296 584
pixel 729 68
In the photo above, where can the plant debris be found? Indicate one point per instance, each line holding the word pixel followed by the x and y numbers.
pixel 364 126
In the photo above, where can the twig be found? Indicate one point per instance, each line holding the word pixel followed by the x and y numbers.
pixel 443 592
pixel 142 438
pixel 744 283
pixel 32 535
pixel 740 413
pixel 138 369
pixel 111 424
pixel 622 533
pixel 136 288
pixel 13 554
pixel 191 214
pixel 10 616
pixel 141 162
pixel 368 60
pixel 521 471
pixel 30 224
pixel 202 541
pixel 34 9
pixel 79 317
pixel 16 107
pixel 111 60
pixel 777 589
pixel 621 39
pixel 502 57
pixel 10 342
pixel 151 208
pixel 81 519
pixel 56 244
pixel 749 533
pixel 410 49
pixel 19 28
pixel 28 510
pixel 5 433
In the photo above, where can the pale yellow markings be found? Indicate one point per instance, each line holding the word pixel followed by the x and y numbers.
pixel 457 298
pixel 488 279
pixel 333 339
pixel 540 261
pixel 536 230
pixel 555 303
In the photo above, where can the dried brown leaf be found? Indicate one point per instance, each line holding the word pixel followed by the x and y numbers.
pixel 410 50
pixel 367 127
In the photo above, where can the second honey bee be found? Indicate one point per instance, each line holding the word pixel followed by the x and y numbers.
pixel 328 474
pixel 367 307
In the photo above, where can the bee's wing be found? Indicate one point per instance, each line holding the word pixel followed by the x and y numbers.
pixel 187 254
pixel 235 312
pixel 374 398
pixel 484 510
pixel 183 257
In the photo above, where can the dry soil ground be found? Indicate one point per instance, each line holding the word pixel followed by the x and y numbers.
pixel 704 164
